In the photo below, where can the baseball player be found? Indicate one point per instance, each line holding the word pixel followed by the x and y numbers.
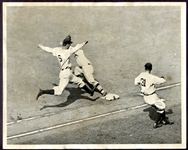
pixel 147 81
pixel 85 67
pixel 63 55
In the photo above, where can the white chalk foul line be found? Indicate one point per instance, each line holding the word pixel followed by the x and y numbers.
pixel 50 114
pixel 34 117
pixel 86 119
pixel 164 87
pixel 73 122
pixel 168 86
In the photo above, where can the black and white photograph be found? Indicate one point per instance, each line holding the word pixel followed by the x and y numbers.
pixel 94 75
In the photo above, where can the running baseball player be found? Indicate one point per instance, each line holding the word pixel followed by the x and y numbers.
pixel 63 55
pixel 147 81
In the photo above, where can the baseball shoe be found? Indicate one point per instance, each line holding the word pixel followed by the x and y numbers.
pixel 39 94
pixel 167 122
pixel 157 125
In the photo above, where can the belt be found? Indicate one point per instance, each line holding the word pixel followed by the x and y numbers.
pixel 145 94
pixel 66 68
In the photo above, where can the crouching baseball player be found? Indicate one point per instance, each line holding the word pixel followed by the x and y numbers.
pixel 147 81
pixel 63 55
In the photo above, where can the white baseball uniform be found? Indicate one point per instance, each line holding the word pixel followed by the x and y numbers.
pixel 84 67
pixel 65 75
pixel 147 82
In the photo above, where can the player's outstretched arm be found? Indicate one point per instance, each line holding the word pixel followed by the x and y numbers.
pixel 159 80
pixel 47 49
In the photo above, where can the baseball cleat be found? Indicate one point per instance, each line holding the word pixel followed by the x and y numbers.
pixel 157 125
pixel 39 94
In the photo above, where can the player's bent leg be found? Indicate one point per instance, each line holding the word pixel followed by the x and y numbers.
pixel 89 78
pixel 57 90
pixel 157 119
pixel 96 85
pixel 101 90
pixel 160 106
pixel 62 84
pixel 98 88
pixel 165 120
pixel 88 74
pixel 164 117
pixel 78 81
pixel 157 122
pixel 87 89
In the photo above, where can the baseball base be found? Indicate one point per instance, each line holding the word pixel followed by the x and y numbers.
pixel 110 97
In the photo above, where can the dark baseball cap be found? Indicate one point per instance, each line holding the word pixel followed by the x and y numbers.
pixel 67 40
pixel 148 66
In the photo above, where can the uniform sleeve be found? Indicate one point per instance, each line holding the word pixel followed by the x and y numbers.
pixel 158 80
pixel 47 49
pixel 77 47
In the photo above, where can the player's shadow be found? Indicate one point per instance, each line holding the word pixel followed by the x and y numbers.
pixel 152 112
pixel 75 94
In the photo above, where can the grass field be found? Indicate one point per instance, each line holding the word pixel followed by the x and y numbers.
pixel 121 40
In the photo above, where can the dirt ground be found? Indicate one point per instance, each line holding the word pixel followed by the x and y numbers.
pixel 121 41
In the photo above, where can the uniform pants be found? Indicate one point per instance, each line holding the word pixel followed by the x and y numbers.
pixel 87 70
pixel 155 101
pixel 65 76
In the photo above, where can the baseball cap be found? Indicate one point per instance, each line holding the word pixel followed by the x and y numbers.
pixel 148 66
pixel 67 40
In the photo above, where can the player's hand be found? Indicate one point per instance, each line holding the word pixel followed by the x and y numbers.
pixel 39 45
pixel 86 42
pixel 61 43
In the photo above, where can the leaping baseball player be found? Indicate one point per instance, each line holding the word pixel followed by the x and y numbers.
pixel 147 81
pixel 63 55
pixel 85 67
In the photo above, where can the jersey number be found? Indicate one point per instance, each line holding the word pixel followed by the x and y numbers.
pixel 143 82
pixel 59 57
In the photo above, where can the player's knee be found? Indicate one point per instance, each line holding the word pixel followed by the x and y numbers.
pixel 80 82
pixel 77 71
pixel 160 105
pixel 57 90
pixel 80 85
